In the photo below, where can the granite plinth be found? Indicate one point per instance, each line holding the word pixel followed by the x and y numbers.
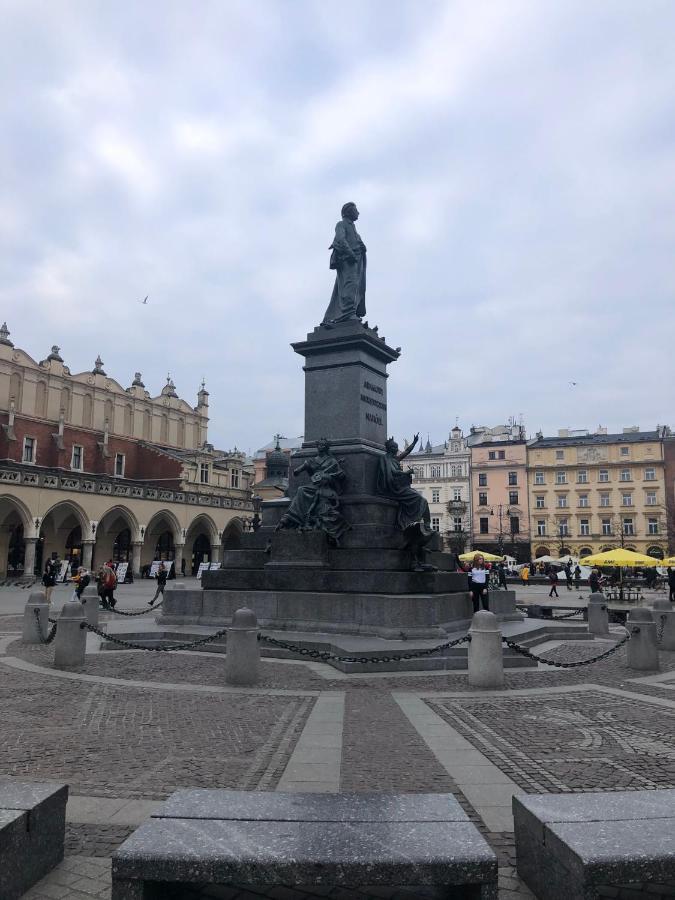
pixel 301 839
pixel 384 615
pixel 318 580
pixel 32 831
pixel 586 845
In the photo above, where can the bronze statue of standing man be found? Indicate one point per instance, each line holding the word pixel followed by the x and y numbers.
pixel 349 261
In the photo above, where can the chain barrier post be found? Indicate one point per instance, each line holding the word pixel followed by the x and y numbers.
pixel 90 604
pixel 642 651
pixel 35 627
pixel 486 657
pixel 598 617
pixel 665 623
pixel 242 654
pixel 71 636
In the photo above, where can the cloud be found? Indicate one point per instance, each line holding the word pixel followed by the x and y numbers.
pixel 513 163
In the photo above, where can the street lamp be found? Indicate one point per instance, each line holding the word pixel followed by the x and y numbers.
pixel 501 513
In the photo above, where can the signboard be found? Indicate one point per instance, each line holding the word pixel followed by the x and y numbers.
pixel 156 563
pixel 203 567
pixel 121 571
pixel 214 566
pixel 64 573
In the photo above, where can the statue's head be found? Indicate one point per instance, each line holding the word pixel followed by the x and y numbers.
pixel 349 211
pixel 390 445
pixel 322 445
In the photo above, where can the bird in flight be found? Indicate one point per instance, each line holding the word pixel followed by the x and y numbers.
pixel 144 301
pixel 573 384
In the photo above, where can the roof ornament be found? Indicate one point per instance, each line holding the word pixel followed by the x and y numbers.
pixel 137 382
pixel 55 354
pixel 98 366
pixel 4 335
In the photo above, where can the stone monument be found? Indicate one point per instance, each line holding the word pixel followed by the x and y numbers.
pixel 349 549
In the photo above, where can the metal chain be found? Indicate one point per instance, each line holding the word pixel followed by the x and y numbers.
pixel 525 608
pixel 52 631
pixel 566 665
pixel 326 655
pixel 135 612
pixel 184 646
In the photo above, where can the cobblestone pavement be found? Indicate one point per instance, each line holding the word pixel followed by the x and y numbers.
pixel 155 722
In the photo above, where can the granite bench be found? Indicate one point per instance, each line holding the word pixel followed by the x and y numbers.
pixel 585 846
pixel 32 833
pixel 246 838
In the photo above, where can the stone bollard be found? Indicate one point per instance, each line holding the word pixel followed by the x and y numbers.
pixel 664 616
pixel 486 657
pixel 90 603
pixel 598 617
pixel 71 639
pixel 242 655
pixel 30 633
pixel 642 652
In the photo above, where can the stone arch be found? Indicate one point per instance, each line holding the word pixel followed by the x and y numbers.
pixel 109 414
pixel 164 429
pixel 64 527
pixel 200 538
pixel 147 425
pixel 16 523
pixel 541 551
pixel 162 523
pixel 181 433
pixel 655 551
pixel 232 534
pixel 585 551
pixel 88 411
pixel 128 420
pixel 65 403
pixel 110 538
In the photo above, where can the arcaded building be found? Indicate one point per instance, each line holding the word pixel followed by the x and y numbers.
pixel 91 470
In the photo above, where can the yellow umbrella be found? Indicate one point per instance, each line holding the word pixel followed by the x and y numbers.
pixel 670 561
pixel 488 557
pixel 622 558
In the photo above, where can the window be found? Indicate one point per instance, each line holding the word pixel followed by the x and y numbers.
pixel 77 458
pixel 560 454
pixel 650 474
pixel 628 526
pixel 492 454
pixel 652 526
pixel 435 495
pixel 513 498
pixel 539 478
pixel 582 476
pixel 514 524
pixel 603 475
pixel 541 527
pixel 625 475
pixel 540 501
pixel 234 478
pixel 604 499
pixel 119 464
pixel 584 527
pixel 483 526
pixel 482 498
pixel 456 493
pixel 204 473
pixel 562 501
pixel 501 454
pixel 651 498
pixel 457 523
pixel 435 523
pixel 563 527
pixel 435 471
pixel 561 477
pixel 513 478
pixel 626 499
pixel 583 500
pixel 29 450
pixel 606 526
pixel 625 451
pixel 482 480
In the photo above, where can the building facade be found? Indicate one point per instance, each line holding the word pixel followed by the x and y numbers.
pixel 271 465
pixel 90 470
pixel 499 496
pixel 594 492
pixel 441 475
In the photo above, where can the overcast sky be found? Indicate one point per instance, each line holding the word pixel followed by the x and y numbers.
pixel 513 162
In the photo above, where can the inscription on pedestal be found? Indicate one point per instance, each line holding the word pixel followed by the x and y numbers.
pixel 372 401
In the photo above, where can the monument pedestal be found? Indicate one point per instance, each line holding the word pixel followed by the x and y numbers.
pixel 301 580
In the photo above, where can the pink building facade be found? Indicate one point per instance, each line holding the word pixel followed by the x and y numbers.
pixel 499 494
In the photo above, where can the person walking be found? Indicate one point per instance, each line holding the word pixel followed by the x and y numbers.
pixel 594 581
pixel 553 581
pixel 162 575
pixel 525 575
pixel 501 573
pixel 671 584
pixel 49 579
pixel 568 575
pixel 577 576
pixel 479 577
pixel 107 582
pixel 82 580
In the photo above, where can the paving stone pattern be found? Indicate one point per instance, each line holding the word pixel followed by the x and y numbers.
pixel 95 840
